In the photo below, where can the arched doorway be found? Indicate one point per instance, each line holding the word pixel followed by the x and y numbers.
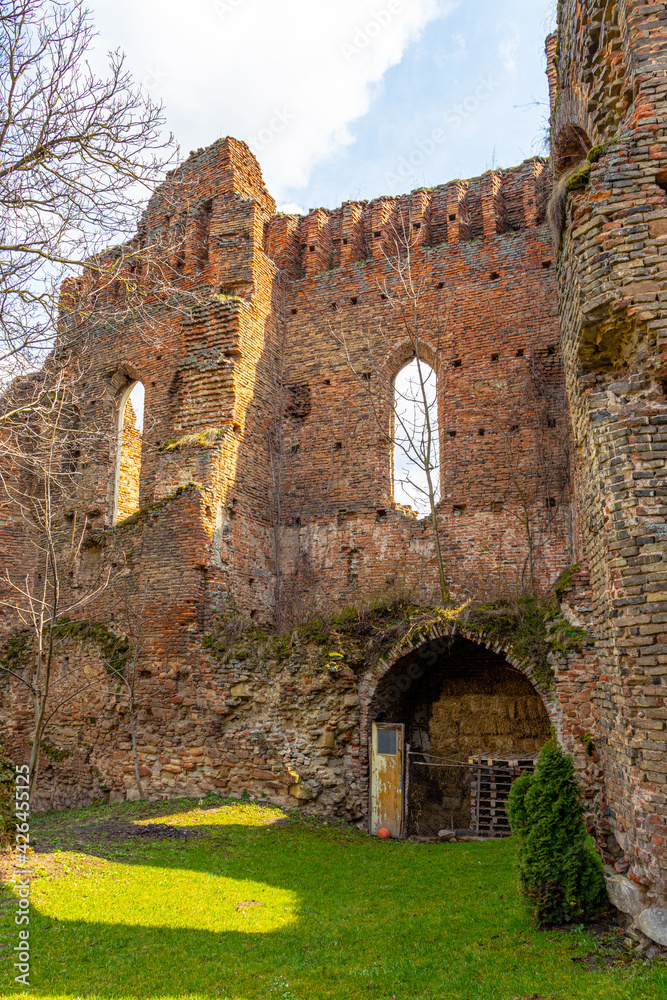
pixel 468 722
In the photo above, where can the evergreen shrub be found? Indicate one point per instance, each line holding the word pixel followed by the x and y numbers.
pixel 560 873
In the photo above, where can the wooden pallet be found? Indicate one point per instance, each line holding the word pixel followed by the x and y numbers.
pixel 492 779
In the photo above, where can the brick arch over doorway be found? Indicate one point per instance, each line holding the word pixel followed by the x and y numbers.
pixel 457 698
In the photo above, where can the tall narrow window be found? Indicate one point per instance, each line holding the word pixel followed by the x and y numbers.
pixel 416 444
pixel 131 425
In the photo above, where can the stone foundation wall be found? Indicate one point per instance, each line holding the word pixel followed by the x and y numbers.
pixel 284 718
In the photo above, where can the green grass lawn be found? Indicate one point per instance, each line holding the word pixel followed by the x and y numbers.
pixel 341 915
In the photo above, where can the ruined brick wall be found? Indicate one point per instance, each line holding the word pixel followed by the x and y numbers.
pixel 267 387
pixel 608 84
pixel 266 462
pixel 285 719
pixel 487 314
pixel 265 485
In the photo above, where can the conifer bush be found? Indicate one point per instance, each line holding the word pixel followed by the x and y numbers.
pixel 560 873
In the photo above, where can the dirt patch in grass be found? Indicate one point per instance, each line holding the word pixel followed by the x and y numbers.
pixel 117 830
pixel 615 946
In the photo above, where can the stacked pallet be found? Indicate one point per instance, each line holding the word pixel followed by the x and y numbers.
pixel 492 779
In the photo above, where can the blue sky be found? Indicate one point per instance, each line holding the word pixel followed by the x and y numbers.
pixel 344 99
pixel 473 75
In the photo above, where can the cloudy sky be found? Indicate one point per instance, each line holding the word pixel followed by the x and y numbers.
pixel 344 99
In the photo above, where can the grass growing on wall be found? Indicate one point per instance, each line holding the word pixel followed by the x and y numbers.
pixel 245 908
pixel 529 628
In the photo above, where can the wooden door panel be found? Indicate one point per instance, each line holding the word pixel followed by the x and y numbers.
pixel 387 778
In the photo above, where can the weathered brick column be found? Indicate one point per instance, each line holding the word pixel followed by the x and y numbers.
pixel 608 116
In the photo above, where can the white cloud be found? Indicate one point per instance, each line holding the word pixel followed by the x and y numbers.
pixel 287 77
pixel 508 47
pixel 291 208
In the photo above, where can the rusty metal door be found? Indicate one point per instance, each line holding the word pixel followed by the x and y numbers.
pixel 387 778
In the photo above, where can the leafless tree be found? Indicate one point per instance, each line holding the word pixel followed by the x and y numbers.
pixel 132 622
pixel 38 478
pixel 78 153
pixel 406 415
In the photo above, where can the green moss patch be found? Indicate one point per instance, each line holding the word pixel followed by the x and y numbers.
pixel 579 178
pixel 201 439
pixel 528 628
pixel 115 649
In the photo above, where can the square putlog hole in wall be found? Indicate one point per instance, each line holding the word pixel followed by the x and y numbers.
pixel 298 401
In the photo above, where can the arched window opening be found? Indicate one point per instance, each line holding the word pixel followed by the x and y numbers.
pixel 416 442
pixel 131 425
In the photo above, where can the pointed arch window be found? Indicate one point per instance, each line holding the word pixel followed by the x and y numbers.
pixel 416 458
pixel 130 434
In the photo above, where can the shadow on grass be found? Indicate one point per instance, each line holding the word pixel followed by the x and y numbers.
pixel 229 911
